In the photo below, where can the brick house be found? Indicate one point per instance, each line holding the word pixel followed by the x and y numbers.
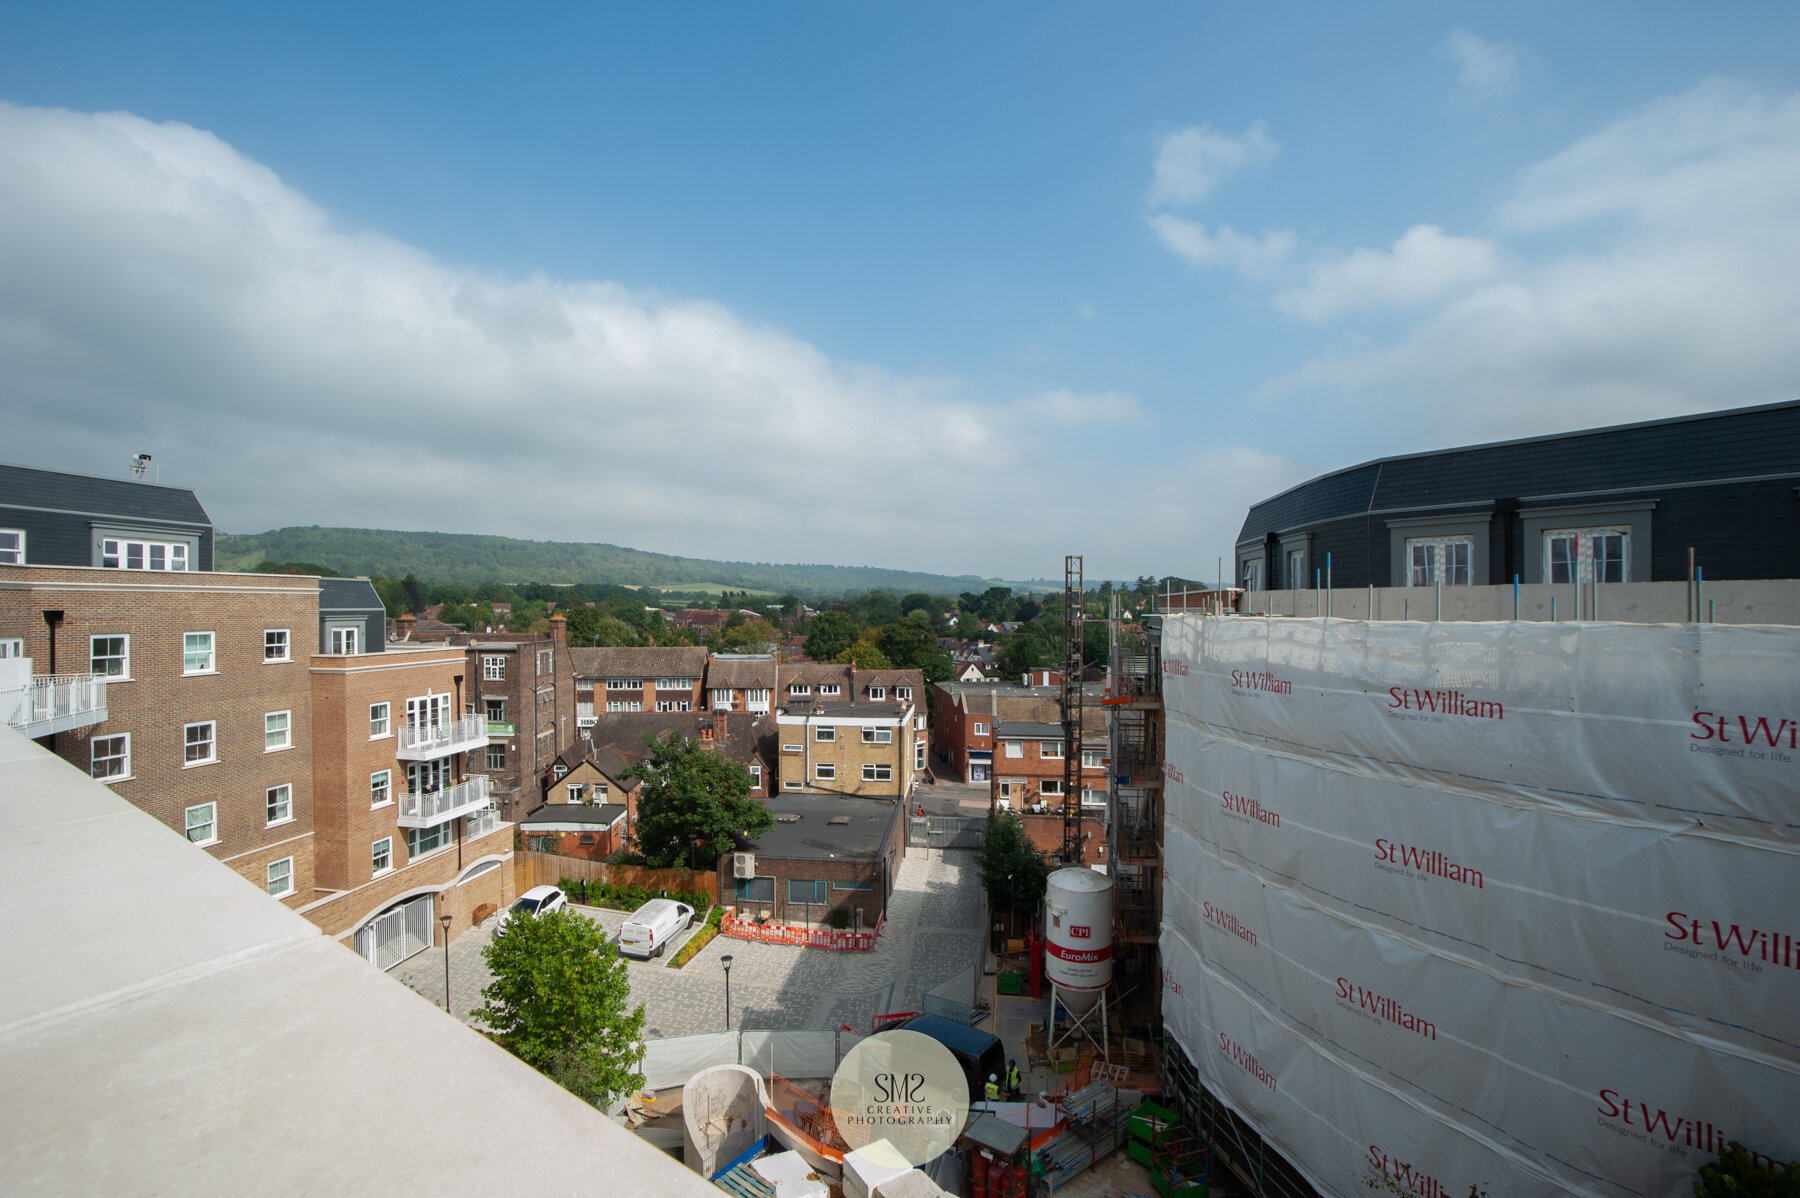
pixel 741 682
pixel 618 680
pixel 744 737
pixel 821 853
pixel 593 831
pixel 523 686
pixel 1045 831
pixel 1029 770
pixel 963 718
pixel 866 750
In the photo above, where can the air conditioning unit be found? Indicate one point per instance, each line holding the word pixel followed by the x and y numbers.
pixel 743 865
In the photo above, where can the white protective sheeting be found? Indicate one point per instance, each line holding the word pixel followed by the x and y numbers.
pixel 1498 904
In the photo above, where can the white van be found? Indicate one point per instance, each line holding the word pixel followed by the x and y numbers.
pixel 648 932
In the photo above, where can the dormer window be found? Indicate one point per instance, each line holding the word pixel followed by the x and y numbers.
pixel 799 688
pixel 877 693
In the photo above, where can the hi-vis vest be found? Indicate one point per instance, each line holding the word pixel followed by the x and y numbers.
pixel 993 1091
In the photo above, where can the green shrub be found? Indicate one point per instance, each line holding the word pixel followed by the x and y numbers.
pixel 700 939
pixel 840 917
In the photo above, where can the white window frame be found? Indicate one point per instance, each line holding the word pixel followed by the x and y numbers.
pixel 116 554
pixel 1009 787
pixel 12 546
pixel 1295 575
pixel 877 771
pixel 490 706
pixel 210 823
pixel 346 640
pixel 1050 750
pixel 1093 797
pixel 756 695
pixel 1431 561
pixel 1584 541
pixel 123 657
pixel 273 805
pixel 381 721
pixel 493 667
pixel 918 754
pixel 189 742
pixel 1250 573
pixel 119 740
pixel 877 693
pixel 278 723
pixel 980 728
pixel 277 646
pixel 674 684
pixel 1014 749
pixel 877 736
pixel 624 684
pixel 190 652
pixel 379 851
pixel 799 689
pixel 1093 759
pixel 494 751
pixel 830 690
pixel 381 788
pixel 1050 787
pixel 756 776
pixel 903 693
pixel 791 785
pixel 825 732
pixel 793 748
pixel 280 877
pixel 824 771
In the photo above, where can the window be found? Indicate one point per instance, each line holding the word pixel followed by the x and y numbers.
pixel 918 754
pixel 877 736
pixel 143 555
pixel 721 698
pixel 587 838
pixel 496 757
pixel 756 776
pixel 877 692
pixel 624 705
pixel 381 788
pixel 577 792
pixel 281 877
pixel 1050 787
pixel 756 890
pixel 196 653
pixel 825 733
pixel 674 684
pixel 756 696
pixel 378 721
pixel 496 710
pixel 865 884
pixel 824 771
pixel 278 731
pixel 878 772
pixel 980 729
pixel 799 688
pixel 1050 750
pixel 624 684
pixel 1296 569
pixel 200 744
pixel 344 641
pixel 278 801
pixel 420 841
pixel 600 792
pixel 11 646
pixel 792 748
pixel 801 890
pixel 1587 555
pixel 203 823
pixel 1092 797
pixel 275 644
pixel 1092 759
pixel 1252 574
pixel 828 688
pixel 493 667
pixel 1014 748
pixel 790 785
pixel 381 855
pixel 674 705
pixel 110 756
pixel 1440 561
pixel 1010 787
pixel 109 656
pixel 12 547
pixel 903 693
pixel 584 709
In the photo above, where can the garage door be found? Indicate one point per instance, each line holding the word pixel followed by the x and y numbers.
pixel 401 931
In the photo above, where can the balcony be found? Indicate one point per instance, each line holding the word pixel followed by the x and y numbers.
pixel 428 809
pixel 427 741
pixel 51 704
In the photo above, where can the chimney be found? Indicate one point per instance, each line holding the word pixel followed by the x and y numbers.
pixel 559 629
pixel 404 624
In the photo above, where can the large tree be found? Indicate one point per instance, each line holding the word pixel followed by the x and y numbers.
pixel 558 1002
pixel 1013 872
pixel 830 633
pixel 910 645
pixel 693 803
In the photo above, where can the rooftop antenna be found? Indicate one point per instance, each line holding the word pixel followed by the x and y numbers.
pixel 139 465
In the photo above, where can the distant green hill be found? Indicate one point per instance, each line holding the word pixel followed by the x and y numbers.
pixel 465 557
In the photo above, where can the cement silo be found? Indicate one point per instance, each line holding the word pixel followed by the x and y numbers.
pixel 1078 935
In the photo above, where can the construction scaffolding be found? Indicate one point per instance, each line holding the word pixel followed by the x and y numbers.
pixel 1074 600
pixel 1135 799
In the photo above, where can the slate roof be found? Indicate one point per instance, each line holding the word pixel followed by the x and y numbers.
pixel 737 735
pixel 1713 446
pixel 815 837
pixel 89 494
pixel 668 661
pixel 603 815
pixel 348 594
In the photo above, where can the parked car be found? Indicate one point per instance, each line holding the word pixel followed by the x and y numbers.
pixel 650 928
pixel 539 900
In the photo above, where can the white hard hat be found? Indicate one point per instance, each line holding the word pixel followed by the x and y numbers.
pixel 993 1077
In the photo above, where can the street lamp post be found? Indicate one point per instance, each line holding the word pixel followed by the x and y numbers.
pixel 726 962
pixel 444 921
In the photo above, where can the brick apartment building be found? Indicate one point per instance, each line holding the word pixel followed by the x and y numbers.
pixel 821 853
pixel 620 680
pixel 964 714
pixel 1029 771
pixel 863 750
pixel 742 682
pixel 523 686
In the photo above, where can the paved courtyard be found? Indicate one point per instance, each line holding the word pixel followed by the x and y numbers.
pixel 933 933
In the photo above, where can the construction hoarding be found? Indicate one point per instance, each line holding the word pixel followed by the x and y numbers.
pixel 1514 906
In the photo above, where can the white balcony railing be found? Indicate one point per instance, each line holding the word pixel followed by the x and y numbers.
pixel 53 703
pixel 428 809
pixel 482 822
pixel 422 742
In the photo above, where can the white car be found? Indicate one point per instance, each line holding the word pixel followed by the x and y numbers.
pixel 539 900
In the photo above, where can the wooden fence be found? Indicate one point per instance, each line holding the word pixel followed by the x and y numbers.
pixel 547 869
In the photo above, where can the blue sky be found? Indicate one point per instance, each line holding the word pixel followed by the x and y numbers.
pixel 867 284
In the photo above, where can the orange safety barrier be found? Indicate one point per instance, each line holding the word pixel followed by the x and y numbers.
pixel 774 933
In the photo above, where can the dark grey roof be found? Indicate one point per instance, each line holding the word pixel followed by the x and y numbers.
pixel 92 495
pixel 880 709
pixel 604 815
pixel 815 837
pixel 1029 731
pixel 348 595
pixel 1737 444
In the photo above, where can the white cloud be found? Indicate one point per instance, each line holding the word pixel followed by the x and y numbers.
pixel 1192 162
pixel 1683 295
pixel 1483 67
pixel 166 295
pixel 1256 257
pixel 1425 263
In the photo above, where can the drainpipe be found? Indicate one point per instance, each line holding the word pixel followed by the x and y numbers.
pixel 51 620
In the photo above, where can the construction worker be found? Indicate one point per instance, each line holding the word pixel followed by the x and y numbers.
pixel 1012 1081
pixel 993 1090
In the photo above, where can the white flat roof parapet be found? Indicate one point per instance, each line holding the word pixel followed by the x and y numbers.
pixel 167 1028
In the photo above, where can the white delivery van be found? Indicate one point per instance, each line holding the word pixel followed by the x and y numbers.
pixel 650 928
